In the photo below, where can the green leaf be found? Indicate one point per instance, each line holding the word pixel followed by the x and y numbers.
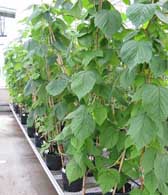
pixel 59 3
pixel 61 43
pixel 142 129
pixel 107 179
pixel 76 143
pixel 76 10
pixel 136 52
pixel 35 76
pixel 40 111
pixel 158 66
pixel 56 87
pixel 163 17
pixel 155 101
pixel 127 77
pixel 35 48
pixel 165 7
pixel 148 160
pixel 140 13
pixel 82 124
pixel 29 88
pixel 65 134
pixel 136 192
pixel 161 168
pixel 126 2
pixel 108 21
pixel 119 93
pixel 162 133
pixel 82 83
pixel 86 40
pixel 113 137
pixel 151 182
pixel 60 110
pixel 163 188
pixel 100 113
pixel 141 192
pixel 90 55
pixel 35 14
pixel 128 170
pixel 131 35
pixel 75 170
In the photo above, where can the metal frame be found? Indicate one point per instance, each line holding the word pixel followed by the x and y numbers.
pixel 2 26
pixel 7 12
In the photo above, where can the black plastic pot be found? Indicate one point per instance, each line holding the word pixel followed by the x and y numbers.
pixel 53 161
pixel 24 117
pixel 90 173
pixel 118 192
pixel 38 140
pixel 98 193
pixel 127 189
pixel 75 186
pixel 44 154
pixel 16 108
pixel 31 131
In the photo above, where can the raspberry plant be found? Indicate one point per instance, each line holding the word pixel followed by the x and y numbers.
pixel 98 77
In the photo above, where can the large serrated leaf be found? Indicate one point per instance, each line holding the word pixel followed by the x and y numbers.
pixel 107 179
pixel 136 52
pixel 163 188
pixel 155 101
pixel 83 82
pixel 151 182
pixel 76 10
pixel 60 110
pixel 161 168
pixel 82 124
pixel 56 87
pixel 113 137
pixel 142 129
pixel 140 13
pixel 99 113
pixel 29 88
pixel 108 21
pixel 75 170
pixel 90 55
pixel 127 77
pixel 158 65
pixel 162 16
pixel 148 160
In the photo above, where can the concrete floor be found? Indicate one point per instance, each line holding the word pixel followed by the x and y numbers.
pixel 4 96
pixel 20 171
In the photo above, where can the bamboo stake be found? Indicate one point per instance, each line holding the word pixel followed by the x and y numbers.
pixel 84 185
pixel 120 167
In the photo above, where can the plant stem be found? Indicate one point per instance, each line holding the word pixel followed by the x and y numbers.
pixel 141 169
pixel 119 170
pixel 60 146
pixel 58 127
pixel 59 59
pixel 84 185
pixel 100 4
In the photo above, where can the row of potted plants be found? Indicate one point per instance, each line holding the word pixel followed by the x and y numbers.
pixel 51 156
pixel 96 90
